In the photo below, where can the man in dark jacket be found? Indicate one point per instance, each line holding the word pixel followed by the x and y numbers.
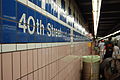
pixel 109 48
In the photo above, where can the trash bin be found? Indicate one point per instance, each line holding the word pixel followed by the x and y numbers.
pixel 91 67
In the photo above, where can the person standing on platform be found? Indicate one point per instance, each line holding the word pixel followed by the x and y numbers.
pixel 116 51
pixel 101 49
pixel 109 47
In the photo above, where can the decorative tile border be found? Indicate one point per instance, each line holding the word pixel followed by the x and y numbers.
pixel 27 46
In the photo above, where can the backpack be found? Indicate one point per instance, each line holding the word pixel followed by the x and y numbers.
pixel 109 47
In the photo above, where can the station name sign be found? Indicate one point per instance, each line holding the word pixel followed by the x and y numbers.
pixel 28 24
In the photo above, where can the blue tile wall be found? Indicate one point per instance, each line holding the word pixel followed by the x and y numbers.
pixel 52 23
pixel 38 36
pixel 31 37
pixel 57 26
pixel 62 18
pixel 48 7
pixel 46 37
pixel 43 36
pixel 21 37
pixel 39 3
pixel 20 10
pixel 55 13
pixel 81 38
pixel 8 32
pixel 0 8
pixel 52 9
pixel 12 31
pixel 9 9
pixel 0 32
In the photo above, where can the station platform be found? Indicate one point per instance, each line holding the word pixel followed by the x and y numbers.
pixel 47 39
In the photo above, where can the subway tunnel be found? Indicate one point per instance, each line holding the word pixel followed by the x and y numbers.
pixel 47 39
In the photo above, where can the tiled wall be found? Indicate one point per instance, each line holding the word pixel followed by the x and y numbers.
pixel 25 56
pixel 50 63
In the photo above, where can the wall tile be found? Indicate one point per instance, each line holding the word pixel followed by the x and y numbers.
pixel 7 7
pixel 0 48
pixel 36 75
pixel 24 78
pixel 31 46
pixel 38 37
pixel 39 58
pixel 30 61
pixel 0 67
pixel 22 9
pixel 8 47
pixel 30 76
pixel 57 66
pixel 8 27
pixel 23 63
pixel 40 74
pixel 21 46
pixel 30 2
pixel 54 53
pixel 53 70
pixel 47 72
pixel 43 56
pixel 47 56
pixel 16 65
pixel 43 74
pixel 7 66
pixel 50 71
pixel 38 45
pixel 35 59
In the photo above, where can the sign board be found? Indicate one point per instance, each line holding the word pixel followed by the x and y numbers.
pixel 24 21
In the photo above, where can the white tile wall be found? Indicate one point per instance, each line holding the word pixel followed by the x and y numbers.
pixel 31 46
pixel 32 5
pixel 21 46
pixel 49 44
pixel 43 12
pixel 37 8
pixel 8 47
pixel 23 1
pixel 16 47
pixel 43 4
pixel 43 45
pixel 38 45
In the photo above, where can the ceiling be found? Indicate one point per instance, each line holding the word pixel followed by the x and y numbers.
pixel 109 16
pixel 85 7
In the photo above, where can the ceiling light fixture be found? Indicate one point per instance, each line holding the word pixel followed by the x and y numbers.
pixel 96 6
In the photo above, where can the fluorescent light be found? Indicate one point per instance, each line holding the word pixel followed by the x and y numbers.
pixel 110 35
pixel 96 5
